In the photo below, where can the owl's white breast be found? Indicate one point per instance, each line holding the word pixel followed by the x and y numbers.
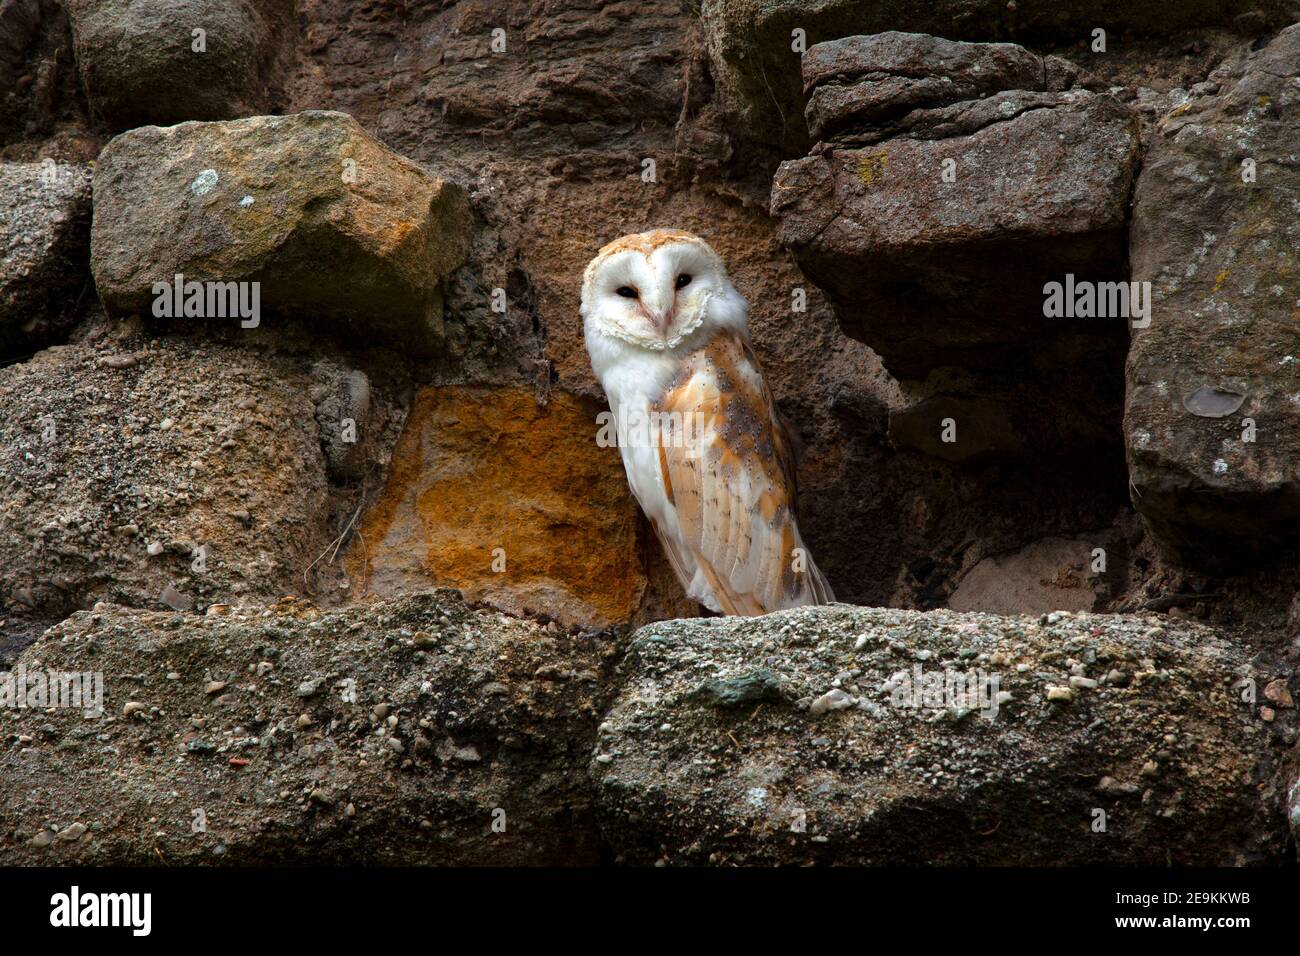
pixel 634 379
pixel 630 375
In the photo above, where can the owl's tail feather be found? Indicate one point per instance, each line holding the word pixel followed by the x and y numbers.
pixel 820 587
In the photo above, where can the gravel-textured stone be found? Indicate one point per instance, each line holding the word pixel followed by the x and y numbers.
pixel 130 483
pixel 833 769
pixel 44 244
pixel 255 781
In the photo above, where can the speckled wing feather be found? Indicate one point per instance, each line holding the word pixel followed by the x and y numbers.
pixel 729 477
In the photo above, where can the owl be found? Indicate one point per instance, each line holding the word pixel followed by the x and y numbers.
pixel 705 453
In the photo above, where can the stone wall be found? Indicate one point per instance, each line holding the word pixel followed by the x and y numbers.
pixel 266 500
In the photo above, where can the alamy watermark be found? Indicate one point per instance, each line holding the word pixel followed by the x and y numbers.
pixel 637 428
pixel 208 300
pixel 53 173
pixel 41 690
pixel 76 909
pixel 1098 300
pixel 948 689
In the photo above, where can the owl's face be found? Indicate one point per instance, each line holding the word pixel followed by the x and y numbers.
pixel 653 289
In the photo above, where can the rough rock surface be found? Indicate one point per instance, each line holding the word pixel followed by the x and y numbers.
pixel 980 428
pixel 512 503
pixel 1054 574
pixel 549 138
pixel 549 134
pixel 44 244
pixel 924 266
pixel 954 182
pixel 19 24
pixel 120 462
pixel 343 413
pixel 419 731
pixel 38 73
pixel 758 72
pixel 336 227
pixel 1293 799
pixel 1220 353
pixel 869 80
pixel 412 732
pixel 784 740
pixel 142 62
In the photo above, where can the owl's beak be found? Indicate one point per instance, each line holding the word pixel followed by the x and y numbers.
pixel 660 320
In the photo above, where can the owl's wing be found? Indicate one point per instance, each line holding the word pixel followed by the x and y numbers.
pixel 728 473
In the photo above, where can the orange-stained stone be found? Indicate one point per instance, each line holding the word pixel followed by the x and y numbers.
pixel 480 468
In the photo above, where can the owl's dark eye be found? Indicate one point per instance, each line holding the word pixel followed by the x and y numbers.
pixel 627 292
pixel 683 281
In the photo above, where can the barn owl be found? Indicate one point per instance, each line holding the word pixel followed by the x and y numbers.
pixel 712 468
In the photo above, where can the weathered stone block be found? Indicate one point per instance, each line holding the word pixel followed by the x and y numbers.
pixel 336 227
pixel 932 269
pixel 510 501
pixel 1051 574
pixel 395 732
pixel 44 243
pixel 1212 417
pixel 758 72
pixel 844 751
pixel 166 61
pixel 168 475
pixel 869 80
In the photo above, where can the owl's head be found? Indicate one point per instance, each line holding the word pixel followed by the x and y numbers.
pixel 655 289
